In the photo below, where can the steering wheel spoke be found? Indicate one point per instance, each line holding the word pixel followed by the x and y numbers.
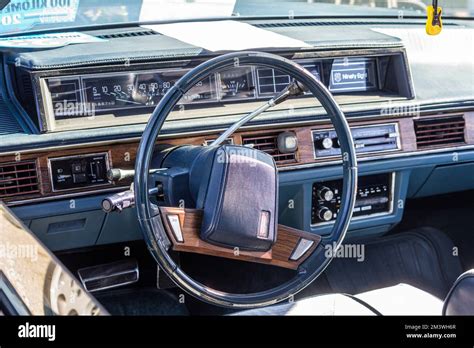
pixel 291 247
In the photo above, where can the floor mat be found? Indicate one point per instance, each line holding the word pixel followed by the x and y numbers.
pixel 422 258
pixel 141 302
pixel 450 213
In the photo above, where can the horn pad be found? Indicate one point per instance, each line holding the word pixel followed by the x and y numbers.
pixel 240 204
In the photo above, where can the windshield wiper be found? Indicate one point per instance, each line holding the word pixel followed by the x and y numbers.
pixel 4 3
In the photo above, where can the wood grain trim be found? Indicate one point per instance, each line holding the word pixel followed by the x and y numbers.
pixel 279 255
pixel 123 155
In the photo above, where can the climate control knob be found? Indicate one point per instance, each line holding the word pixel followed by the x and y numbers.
pixel 326 194
pixel 325 214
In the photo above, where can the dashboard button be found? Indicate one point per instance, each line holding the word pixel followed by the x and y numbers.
pixel 77 168
pixel 79 178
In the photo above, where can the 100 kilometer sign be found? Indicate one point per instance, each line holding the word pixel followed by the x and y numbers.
pixel 23 14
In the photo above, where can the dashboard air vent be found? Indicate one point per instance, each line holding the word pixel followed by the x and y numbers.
pixel 18 178
pixel 120 35
pixel 268 143
pixel 439 131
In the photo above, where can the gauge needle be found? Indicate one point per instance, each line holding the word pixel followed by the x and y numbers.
pixel 128 101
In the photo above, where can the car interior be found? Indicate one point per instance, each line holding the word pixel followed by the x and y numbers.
pixel 239 157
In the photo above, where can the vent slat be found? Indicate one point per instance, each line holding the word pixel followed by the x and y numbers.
pixel 268 143
pixel 6 188
pixel 441 124
pixel 444 135
pixel 440 131
pixel 17 171
pixel 431 130
pixel 432 142
pixel 18 178
pixel 22 193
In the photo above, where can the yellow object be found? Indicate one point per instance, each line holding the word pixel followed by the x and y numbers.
pixel 433 23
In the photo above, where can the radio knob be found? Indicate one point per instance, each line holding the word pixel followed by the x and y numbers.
pixel 326 194
pixel 326 143
pixel 325 214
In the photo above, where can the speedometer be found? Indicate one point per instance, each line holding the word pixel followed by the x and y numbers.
pixel 139 90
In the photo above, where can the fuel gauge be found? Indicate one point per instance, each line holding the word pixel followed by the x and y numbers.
pixel 236 83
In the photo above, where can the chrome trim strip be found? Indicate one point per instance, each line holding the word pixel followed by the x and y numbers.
pixel 367 216
pixel 72 146
pixel 68 195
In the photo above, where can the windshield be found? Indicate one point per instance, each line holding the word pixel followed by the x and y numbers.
pixel 22 16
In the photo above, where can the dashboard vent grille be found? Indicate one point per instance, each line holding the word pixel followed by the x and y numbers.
pixel 329 23
pixel 268 143
pixel 439 131
pixel 127 34
pixel 18 178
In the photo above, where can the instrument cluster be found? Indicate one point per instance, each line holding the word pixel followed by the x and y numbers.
pixel 118 91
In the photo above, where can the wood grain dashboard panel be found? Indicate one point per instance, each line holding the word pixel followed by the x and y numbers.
pixel 190 221
pixel 122 155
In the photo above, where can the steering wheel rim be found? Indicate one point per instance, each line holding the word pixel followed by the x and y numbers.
pixel 152 226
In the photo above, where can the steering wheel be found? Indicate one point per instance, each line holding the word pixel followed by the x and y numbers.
pixel 174 228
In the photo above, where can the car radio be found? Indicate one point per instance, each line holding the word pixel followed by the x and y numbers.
pixel 367 139
pixel 374 196
pixel 78 171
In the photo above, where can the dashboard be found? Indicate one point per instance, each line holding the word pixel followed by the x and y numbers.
pixel 412 128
